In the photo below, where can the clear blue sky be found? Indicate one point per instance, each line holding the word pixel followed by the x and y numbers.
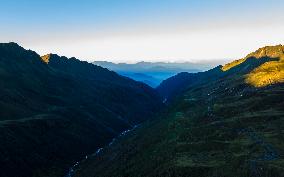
pixel 150 30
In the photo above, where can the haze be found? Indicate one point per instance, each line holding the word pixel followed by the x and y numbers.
pixel 132 30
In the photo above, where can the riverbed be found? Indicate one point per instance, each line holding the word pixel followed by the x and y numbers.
pixel 73 168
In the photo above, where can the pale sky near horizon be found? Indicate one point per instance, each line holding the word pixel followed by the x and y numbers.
pixel 143 30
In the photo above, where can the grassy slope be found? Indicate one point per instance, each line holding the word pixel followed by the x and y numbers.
pixel 224 127
pixel 205 136
pixel 269 73
pixel 260 68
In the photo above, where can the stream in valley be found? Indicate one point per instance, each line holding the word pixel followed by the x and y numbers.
pixel 73 168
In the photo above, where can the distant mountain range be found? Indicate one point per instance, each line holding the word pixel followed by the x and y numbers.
pixel 152 73
pixel 55 110
pixel 227 122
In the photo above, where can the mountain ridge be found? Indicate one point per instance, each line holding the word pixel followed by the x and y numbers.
pixel 54 113
pixel 259 68
pixel 155 72
pixel 216 125
pixel 267 51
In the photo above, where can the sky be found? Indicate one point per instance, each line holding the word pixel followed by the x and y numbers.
pixel 143 30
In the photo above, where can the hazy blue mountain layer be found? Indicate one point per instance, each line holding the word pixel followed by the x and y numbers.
pixel 152 73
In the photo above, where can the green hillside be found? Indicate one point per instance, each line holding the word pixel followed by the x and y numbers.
pixel 219 124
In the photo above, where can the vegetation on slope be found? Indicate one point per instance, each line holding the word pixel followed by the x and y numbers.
pixel 268 51
pixel 260 68
pixel 54 113
pixel 267 74
pixel 215 127
pixel 270 72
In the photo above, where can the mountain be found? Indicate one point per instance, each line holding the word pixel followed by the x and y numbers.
pixel 225 122
pixel 150 80
pixel 153 66
pixel 55 110
pixel 260 68
pixel 175 85
pixel 152 73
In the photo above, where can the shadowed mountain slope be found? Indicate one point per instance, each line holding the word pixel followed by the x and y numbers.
pixel 218 124
pixel 55 110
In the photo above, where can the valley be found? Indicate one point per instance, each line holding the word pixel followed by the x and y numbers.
pixel 214 126
pixel 64 117
pixel 151 73
pixel 54 110
pixel 142 88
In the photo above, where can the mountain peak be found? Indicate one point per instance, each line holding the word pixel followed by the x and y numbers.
pixel 269 68
pixel 11 46
pixel 268 51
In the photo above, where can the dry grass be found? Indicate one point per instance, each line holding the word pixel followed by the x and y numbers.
pixel 45 58
pixel 266 74
pixel 268 51
pixel 233 64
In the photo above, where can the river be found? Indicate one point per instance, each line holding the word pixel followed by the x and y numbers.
pixel 73 168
